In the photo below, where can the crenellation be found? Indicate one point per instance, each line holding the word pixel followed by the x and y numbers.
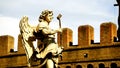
pixel 66 37
pixel 6 44
pixel 20 46
pixel 108 33
pixel 85 35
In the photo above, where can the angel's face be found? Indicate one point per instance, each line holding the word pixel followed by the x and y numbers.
pixel 49 18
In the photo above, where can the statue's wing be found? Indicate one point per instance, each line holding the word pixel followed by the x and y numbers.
pixel 26 32
pixel 25 29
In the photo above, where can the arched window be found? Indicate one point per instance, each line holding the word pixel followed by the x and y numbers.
pixel 89 66
pixel 68 67
pixel 78 66
pixel 113 65
pixel 101 65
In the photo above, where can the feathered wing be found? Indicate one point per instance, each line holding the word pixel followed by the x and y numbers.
pixel 26 32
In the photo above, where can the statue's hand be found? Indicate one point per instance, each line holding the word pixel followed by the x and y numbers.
pixel 59 30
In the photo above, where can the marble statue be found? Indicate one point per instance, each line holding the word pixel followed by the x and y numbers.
pixel 47 51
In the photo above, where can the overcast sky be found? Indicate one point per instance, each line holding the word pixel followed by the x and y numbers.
pixel 74 13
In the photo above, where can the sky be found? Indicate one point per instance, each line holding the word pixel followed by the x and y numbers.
pixel 74 14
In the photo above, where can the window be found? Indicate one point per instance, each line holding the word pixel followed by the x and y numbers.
pixel 68 67
pixel 101 65
pixel 85 55
pixel 78 66
pixel 89 66
pixel 113 65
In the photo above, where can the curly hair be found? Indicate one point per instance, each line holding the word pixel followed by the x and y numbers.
pixel 44 14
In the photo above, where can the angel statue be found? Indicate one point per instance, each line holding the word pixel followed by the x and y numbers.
pixel 47 51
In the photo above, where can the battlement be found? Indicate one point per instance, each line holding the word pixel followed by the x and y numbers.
pixel 6 44
pixel 108 35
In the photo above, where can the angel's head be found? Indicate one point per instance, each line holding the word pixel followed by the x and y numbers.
pixel 46 15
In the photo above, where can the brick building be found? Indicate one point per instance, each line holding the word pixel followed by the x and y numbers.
pixel 86 54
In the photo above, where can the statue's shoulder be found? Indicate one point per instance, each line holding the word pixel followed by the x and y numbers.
pixel 42 25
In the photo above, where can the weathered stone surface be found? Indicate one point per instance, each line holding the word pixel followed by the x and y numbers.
pixel 108 33
pixel 85 35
